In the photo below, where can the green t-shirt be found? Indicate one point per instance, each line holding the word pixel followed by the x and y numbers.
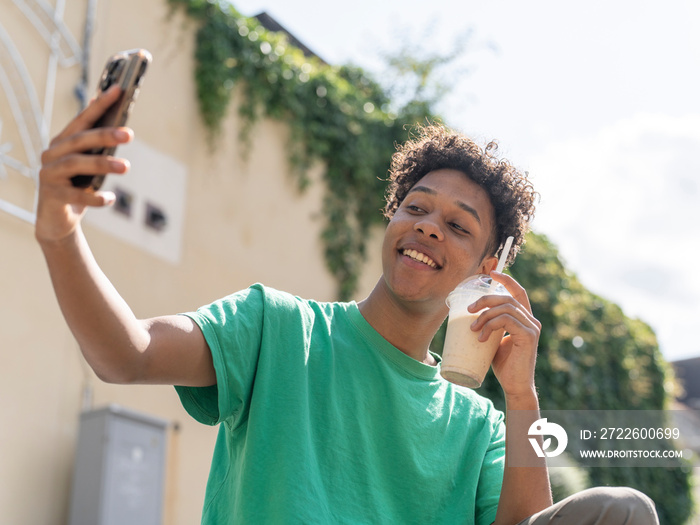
pixel 323 421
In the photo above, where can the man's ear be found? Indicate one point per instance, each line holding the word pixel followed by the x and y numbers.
pixel 488 265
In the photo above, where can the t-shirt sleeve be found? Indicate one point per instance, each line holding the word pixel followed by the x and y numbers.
pixel 232 327
pixel 488 491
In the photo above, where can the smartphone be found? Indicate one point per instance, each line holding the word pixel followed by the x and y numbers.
pixel 127 70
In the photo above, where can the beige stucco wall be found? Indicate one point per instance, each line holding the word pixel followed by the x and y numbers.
pixel 243 222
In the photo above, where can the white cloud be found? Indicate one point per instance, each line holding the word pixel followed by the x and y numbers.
pixel 622 207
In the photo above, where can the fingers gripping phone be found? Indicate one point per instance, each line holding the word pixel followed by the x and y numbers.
pixel 127 70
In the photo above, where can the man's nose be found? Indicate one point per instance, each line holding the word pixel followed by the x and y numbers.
pixel 428 226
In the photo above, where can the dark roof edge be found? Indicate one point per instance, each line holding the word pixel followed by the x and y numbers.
pixel 271 24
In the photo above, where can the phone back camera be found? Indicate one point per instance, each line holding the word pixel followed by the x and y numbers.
pixel 112 74
pixel 142 70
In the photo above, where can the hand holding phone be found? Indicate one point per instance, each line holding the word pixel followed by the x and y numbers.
pixel 125 69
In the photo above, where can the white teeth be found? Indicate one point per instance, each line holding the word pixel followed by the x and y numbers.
pixel 421 257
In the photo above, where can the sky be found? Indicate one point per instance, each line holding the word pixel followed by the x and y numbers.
pixel 598 101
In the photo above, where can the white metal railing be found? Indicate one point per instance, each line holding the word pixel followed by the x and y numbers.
pixel 30 118
pixel 48 21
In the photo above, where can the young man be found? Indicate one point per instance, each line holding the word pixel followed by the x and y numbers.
pixel 336 412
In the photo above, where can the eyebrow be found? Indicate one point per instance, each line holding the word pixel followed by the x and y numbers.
pixel 462 205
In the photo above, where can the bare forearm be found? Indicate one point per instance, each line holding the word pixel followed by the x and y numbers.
pixel 110 337
pixel 119 347
pixel 526 489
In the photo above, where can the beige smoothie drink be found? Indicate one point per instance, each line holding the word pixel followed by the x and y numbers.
pixel 465 359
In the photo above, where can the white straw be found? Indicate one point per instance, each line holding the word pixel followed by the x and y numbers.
pixel 504 254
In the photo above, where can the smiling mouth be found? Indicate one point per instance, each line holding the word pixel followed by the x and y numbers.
pixel 420 257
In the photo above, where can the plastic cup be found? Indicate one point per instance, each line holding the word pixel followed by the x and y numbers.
pixel 465 359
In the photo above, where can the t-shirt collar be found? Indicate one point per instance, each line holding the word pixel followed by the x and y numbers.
pixel 376 340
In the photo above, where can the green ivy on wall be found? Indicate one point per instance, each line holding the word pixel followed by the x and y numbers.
pixel 337 115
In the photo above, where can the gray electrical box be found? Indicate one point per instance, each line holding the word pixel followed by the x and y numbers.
pixel 119 468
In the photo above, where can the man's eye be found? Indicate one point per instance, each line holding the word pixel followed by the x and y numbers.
pixel 458 227
pixel 413 208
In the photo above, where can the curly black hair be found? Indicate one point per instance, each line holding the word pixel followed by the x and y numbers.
pixel 435 147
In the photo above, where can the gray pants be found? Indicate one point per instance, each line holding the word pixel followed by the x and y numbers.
pixel 599 506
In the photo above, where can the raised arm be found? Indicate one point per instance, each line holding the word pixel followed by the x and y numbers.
pixel 119 347
pixel 526 489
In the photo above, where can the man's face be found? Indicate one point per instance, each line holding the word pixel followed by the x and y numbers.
pixel 437 237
